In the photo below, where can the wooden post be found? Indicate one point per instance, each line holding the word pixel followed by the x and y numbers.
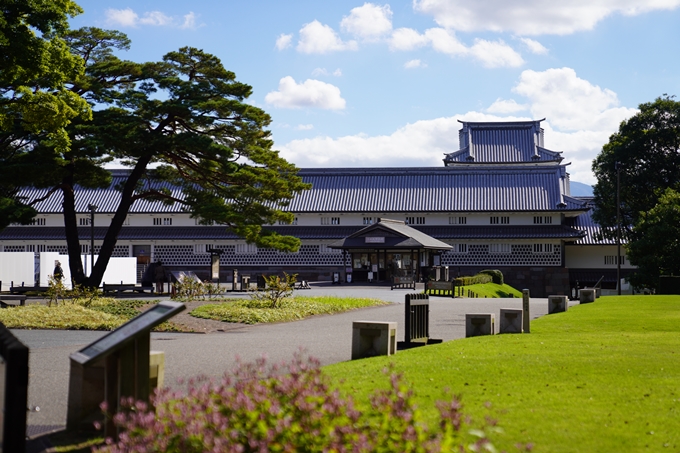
pixel 525 311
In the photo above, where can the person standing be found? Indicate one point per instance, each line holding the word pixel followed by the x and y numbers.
pixel 159 277
pixel 58 272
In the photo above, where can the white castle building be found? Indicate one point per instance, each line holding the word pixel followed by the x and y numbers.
pixel 502 201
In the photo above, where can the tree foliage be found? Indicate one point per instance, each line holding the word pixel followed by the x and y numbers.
pixel 178 123
pixel 647 148
pixel 35 104
pixel 657 250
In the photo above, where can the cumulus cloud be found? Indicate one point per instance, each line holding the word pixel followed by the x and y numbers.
pixel 571 103
pixel 534 46
pixel 532 17
pixel 492 54
pixel 579 128
pixel 129 18
pixel 316 37
pixel 505 106
pixel 304 127
pixel 309 94
pixel 414 64
pixel 407 39
pixel 368 22
pixel 323 72
pixel 283 41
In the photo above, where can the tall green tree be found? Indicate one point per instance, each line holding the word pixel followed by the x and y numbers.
pixel 657 250
pixel 182 122
pixel 35 105
pixel 647 149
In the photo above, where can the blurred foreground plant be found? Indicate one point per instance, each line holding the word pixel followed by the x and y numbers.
pixel 289 408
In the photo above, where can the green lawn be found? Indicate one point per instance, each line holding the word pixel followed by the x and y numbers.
pixel 603 377
pixel 251 311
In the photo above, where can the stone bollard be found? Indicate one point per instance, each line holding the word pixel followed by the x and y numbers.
pixel 511 320
pixel 526 316
pixel 478 324
pixel 373 338
pixel 586 295
pixel 557 304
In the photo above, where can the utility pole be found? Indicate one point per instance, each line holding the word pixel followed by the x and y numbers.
pixel 92 208
pixel 617 166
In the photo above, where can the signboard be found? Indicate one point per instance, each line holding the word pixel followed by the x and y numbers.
pixel 127 332
pixel 374 240
pixel 374 268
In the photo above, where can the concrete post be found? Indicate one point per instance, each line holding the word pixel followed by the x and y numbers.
pixel 525 311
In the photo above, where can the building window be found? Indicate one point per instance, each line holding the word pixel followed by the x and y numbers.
pixel 36 248
pixel 543 248
pixel 539 219
pixel 246 249
pixel 126 222
pixel 202 249
pixel 294 222
pixel 330 220
pixel 368 220
pixel 415 220
pixel 166 221
pixel 460 248
pixel 84 221
pixel 611 259
pixel 503 220
pixel 499 248
pixel 326 250
pixel 457 220
pixel 41 221
pixel 84 249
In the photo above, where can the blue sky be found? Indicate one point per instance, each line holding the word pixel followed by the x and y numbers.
pixel 354 84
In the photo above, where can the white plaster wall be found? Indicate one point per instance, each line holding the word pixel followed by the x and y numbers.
pixel 118 270
pixel 592 256
pixel 17 267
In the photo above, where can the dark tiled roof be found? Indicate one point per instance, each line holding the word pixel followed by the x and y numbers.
pixel 509 142
pixel 586 223
pixel 395 234
pixel 208 233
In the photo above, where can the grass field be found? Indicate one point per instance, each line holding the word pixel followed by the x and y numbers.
pixel 250 311
pixel 490 290
pixel 602 377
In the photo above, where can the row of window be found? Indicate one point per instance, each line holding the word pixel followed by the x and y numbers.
pixel 409 220
pixel 611 259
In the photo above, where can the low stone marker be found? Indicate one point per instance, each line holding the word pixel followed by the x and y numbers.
pixel 373 338
pixel 478 324
pixel 557 304
pixel 586 295
pixel 511 320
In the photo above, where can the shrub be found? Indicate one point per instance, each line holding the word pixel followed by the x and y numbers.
pixel 495 274
pixel 475 280
pixel 288 408
pixel 276 289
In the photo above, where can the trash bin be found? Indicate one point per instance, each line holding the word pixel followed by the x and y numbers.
pixel 336 278
pixel 348 277
pixel 245 282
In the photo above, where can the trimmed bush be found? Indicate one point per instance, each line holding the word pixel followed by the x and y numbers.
pixel 478 279
pixel 495 274
pixel 290 408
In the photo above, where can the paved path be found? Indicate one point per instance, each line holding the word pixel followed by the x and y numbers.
pixel 327 338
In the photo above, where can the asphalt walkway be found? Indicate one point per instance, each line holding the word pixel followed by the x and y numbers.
pixel 328 338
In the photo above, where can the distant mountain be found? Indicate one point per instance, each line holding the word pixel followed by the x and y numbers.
pixel 578 189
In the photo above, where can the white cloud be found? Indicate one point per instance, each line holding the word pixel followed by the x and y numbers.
pixel 532 17
pixel 323 72
pixel 189 20
pixel 534 46
pixel 492 54
pixel 316 37
pixel 414 64
pixel 569 102
pixel 304 127
pixel 505 106
pixel 495 54
pixel 129 18
pixel 406 39
pixel 283 41
pixel 578 127
pixel 368 22
pixel 309 94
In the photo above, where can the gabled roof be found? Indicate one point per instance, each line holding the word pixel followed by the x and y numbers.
pixel 390 234
pixel 586 223
pixel 513 142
